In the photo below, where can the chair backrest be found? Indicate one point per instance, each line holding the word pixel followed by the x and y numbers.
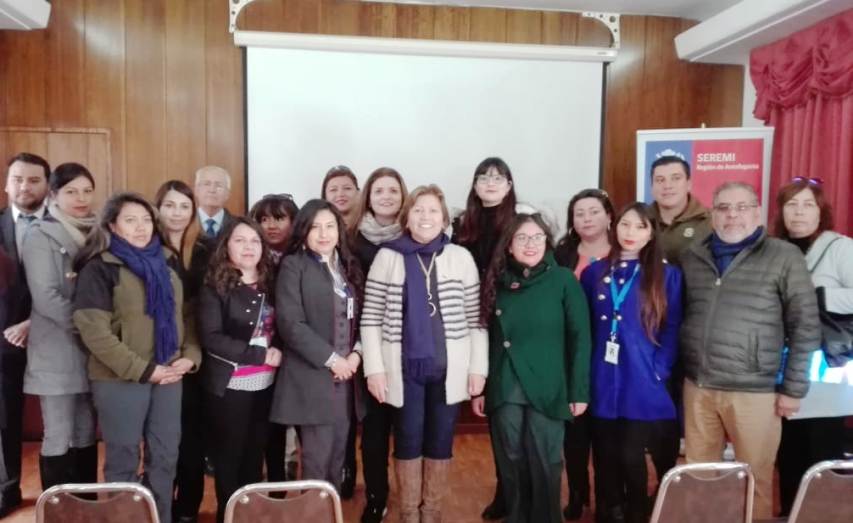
pixel 101 503
pixel 308 500
pixel 825 494
pixel 705 493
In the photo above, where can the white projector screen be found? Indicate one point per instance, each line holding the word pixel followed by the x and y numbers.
pixel 432 118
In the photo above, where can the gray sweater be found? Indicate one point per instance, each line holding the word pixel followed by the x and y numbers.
pixel 736 324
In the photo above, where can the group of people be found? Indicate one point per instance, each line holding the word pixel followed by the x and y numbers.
pixel 208 335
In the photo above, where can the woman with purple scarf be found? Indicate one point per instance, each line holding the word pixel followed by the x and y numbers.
pixel 128 311
pixel 425 350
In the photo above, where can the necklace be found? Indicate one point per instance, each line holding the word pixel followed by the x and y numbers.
pixel 427 272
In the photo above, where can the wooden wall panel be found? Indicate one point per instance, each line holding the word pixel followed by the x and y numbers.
pixel 224 102
pixel 146 94
pixel 164 77
pixel 66 59
pixel 184 88
pixel 104 79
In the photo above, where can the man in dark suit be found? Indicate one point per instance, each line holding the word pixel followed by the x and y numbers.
pixel 26 187
pixel 212 189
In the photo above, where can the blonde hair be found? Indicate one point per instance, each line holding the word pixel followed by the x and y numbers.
pixel 423 190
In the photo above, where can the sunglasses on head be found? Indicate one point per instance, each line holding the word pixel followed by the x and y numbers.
pixel 808 180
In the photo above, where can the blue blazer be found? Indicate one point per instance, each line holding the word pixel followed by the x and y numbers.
pixel 635 388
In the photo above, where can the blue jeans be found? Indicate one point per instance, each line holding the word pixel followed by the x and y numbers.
pixel 425 423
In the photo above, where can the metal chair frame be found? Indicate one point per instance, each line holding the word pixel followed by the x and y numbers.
pixel 325 488
pixel 674 476
pixel 140 493
pixel 815 472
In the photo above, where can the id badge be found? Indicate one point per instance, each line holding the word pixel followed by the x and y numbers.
pixel 259 341
pixel 611 352
pixel 350 308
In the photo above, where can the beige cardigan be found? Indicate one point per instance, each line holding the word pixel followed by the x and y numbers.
pixel 459 301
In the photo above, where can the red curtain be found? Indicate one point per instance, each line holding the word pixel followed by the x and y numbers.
pixel 804 87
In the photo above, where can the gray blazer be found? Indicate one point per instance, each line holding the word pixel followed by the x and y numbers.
pixel 305 317
pixel 56 363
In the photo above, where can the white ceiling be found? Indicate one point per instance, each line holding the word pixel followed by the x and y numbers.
pixel 692 9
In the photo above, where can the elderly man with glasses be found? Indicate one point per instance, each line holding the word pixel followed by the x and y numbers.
pixel 748 296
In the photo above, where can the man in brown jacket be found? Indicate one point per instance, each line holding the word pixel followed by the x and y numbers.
pixel 680 218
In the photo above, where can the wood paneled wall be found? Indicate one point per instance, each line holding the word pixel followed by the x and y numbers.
pixel 164 77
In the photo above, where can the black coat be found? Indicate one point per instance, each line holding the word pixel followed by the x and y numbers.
pixel 225 327
pixel 305 315
pixel 18 305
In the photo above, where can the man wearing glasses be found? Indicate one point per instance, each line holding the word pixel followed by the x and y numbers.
pixel 680 218
pixel 747 297
pixel 212 188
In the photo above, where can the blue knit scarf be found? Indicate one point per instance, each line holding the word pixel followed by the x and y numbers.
pixel 149 265
pixel 724 253
pixel 418 342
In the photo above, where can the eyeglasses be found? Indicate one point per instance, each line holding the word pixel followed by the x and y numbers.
pixel 808 180
pixel 534 239
pixel 739 208
pixel 279 196
pixel 485 179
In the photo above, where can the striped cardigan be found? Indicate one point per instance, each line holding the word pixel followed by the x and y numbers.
pixel 459 302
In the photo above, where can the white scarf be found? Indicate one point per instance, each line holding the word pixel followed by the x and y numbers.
pixel 78 228
pixel 376 233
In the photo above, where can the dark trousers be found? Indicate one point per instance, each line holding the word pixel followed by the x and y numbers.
pixel 131 412
pixel 275 452
pixel 375 445
pixel 804 443
pixel 528 448
pixel 189 480
pixel 324 446
pixel 620 446
pixel 12 389
pixel 423 426
pixel 239 426
pixel 576 448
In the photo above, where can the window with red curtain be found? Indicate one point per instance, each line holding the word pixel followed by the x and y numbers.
pixel 804 87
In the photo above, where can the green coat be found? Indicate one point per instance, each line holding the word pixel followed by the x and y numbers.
pixel 539 339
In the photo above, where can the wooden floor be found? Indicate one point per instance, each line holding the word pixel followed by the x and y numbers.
pixel 472 480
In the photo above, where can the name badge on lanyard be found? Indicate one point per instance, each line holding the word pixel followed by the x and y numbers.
pixel 350 308
pixel 611 348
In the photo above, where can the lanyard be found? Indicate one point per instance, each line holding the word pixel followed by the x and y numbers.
pixel 618 296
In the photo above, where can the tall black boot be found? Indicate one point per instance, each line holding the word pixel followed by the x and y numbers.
pixel 85 467
pixel 56 470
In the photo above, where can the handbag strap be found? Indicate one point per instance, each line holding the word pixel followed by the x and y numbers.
pixel 825 250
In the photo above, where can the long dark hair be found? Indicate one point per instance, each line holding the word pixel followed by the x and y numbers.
pixel 652 286
pixel 221 273
pixel 299 236
pixel 572 238
pixel 489 288
pixel 190 234
pixel 98 239
pixel 470 220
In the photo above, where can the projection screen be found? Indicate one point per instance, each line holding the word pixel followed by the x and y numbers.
pixel 433 118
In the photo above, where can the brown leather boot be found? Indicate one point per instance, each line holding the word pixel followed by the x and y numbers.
pixel 409 481
pixel 435 486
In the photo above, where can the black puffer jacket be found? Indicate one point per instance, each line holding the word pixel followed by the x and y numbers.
pixel 735 326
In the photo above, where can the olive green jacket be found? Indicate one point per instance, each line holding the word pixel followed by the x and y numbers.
pixel 693 224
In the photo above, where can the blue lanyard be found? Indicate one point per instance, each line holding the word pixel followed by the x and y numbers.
pixel 618 296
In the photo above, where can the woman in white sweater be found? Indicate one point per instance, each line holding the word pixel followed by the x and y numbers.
pixel 424 348
pixel 816 432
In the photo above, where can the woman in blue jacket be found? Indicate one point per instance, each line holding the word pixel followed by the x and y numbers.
pixel 635 305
